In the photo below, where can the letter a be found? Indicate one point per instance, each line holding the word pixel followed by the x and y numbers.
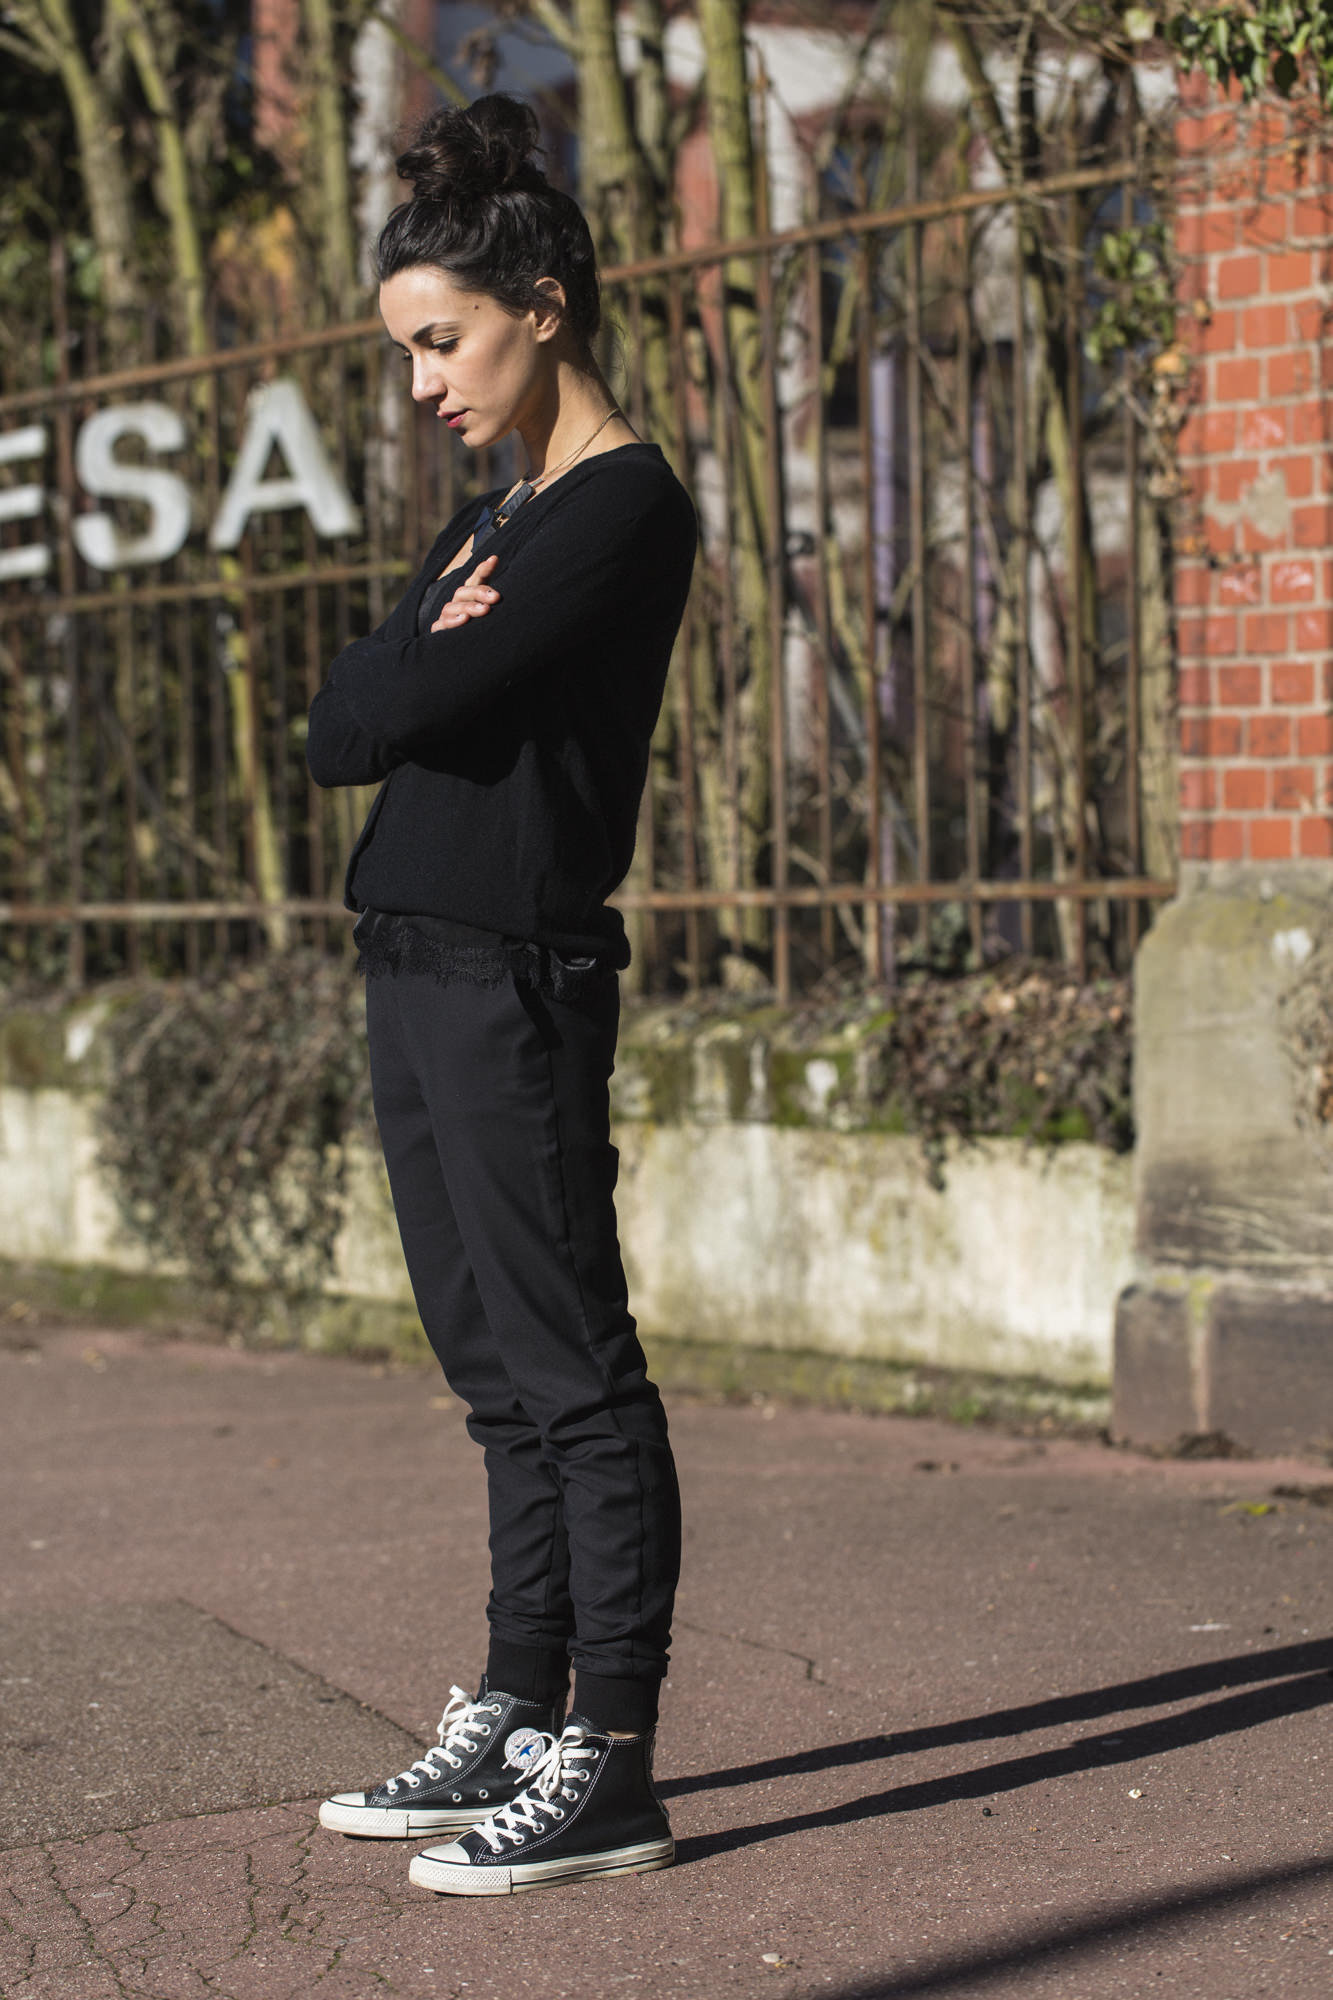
pixel 278 415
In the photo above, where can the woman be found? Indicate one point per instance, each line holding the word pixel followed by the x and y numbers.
pixel 508 704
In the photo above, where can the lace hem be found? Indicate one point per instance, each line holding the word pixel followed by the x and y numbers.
pixel 390 947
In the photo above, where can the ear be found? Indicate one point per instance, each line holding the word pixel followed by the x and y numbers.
pixel 549 318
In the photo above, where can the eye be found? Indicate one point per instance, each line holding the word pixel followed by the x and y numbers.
pixel 444 346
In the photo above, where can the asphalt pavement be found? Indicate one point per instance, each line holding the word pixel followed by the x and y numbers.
pixel 951 1712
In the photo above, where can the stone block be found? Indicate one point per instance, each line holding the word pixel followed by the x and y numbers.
pixel 1270 1369
pixel 1153 1403
pixel 1231 1175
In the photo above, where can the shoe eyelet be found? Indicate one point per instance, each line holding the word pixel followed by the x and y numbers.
pixel 557 1812
pixel 457 1798
pixel 485 1728
pixel 483 1795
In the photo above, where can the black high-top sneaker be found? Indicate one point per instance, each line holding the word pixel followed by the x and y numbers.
pixel 486 1752
pixel 587 1809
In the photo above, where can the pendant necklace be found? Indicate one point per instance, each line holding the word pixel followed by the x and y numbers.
pixel 493 518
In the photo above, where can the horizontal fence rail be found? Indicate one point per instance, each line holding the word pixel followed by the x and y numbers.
pixel 915 714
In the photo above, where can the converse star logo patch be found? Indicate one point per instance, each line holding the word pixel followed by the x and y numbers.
pixel 524 1747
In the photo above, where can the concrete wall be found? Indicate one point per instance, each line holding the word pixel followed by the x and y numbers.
pixel 755 1207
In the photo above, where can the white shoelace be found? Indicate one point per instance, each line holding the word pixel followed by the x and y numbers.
pixel 563 1762
pixel 459 1725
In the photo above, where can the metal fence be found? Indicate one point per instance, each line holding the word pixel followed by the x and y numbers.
pixel 905 722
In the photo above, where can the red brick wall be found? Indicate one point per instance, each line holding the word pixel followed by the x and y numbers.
pixel 1254 579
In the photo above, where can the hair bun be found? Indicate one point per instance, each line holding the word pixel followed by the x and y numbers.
pixel 479 149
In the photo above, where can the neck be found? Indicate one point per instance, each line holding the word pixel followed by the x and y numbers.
pixel 565 416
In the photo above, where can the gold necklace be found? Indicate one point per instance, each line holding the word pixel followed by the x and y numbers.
pixel 525 489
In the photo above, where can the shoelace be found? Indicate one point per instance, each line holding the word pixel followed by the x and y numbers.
pixel 459 1724
pixel 564 1761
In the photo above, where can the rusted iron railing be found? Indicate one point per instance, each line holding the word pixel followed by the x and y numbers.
pixel 904 723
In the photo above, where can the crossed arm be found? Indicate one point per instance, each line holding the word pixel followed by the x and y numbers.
pixel 399 693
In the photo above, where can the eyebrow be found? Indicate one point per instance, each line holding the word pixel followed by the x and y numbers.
pixel 425 333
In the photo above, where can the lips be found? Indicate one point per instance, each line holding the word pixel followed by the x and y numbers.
pixel 453 417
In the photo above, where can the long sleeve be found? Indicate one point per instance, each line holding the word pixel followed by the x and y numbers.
pixel 587 572
pixel 338 750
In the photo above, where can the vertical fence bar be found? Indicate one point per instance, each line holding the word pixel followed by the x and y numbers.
pixel 874 924
pixel 685 662
pixel 825 551
pixel 76 970
pixel 1077 665
pixel 1021 526
pixel 968 597
pixel 1133 660
pixel 775 556
pixel 730 813
pixel 917 525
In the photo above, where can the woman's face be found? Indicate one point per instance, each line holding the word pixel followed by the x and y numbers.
pixel 483 368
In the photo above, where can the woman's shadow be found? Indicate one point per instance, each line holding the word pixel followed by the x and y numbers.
pixel 1304 1680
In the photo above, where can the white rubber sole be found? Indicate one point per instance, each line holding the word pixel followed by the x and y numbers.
pixel 452 1878
pixel 384 1823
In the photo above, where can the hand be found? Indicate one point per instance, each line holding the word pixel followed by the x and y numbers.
pixel 472 599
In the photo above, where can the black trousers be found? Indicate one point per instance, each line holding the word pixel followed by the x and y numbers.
pixel 493 1109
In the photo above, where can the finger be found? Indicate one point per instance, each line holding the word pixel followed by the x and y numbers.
pixel 484 567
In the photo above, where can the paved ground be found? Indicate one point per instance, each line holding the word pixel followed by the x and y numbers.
pixel 951 1713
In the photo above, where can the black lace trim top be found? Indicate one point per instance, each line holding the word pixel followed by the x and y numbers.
pixel 389 943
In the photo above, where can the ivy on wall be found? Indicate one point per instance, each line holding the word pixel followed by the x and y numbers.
pixel 1283 45
pixel 224 1121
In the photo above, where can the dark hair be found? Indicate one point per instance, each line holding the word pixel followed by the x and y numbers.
pixel 487 215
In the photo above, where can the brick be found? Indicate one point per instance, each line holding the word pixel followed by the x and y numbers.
pixel 1219 430
pixel 1242 583
pixel 1220 635
pixel 1208 229
pixel 1245 788
pixel 1313 216
pixel 1210 735
pixel 1310 319
pixel 1254 542
pixel 1240 687
pixel 1220 536
pixel 1231 479
pixel 1268 632
pixel 1238 380
pixel 1269 839
pixel 1291 582
pixel 1194 583
pixel 1316 837
pixel 1314 735
pixel 1212 840
pixel 1218 334
pixel 1293 788
pixel 1291 373
pixel 1194 687
pixel 1240 277
pixel 1199 129
pixel 1267 736
pixel 1314 631
pixel 1292 683
pixel 1267 225
pixel 1312 526
pixel 1198 788
pixel 1265 326
pixel 1263 430
pixel 1308 422
pixel 1297 470
pixel 1288 271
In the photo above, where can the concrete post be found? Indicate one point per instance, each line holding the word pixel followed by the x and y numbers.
pixel 1229 1326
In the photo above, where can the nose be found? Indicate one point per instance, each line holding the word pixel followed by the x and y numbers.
pixel 427 378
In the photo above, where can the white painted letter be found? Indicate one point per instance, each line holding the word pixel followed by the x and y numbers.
pixel 279 416
pixel 99 538
pixel 23 503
